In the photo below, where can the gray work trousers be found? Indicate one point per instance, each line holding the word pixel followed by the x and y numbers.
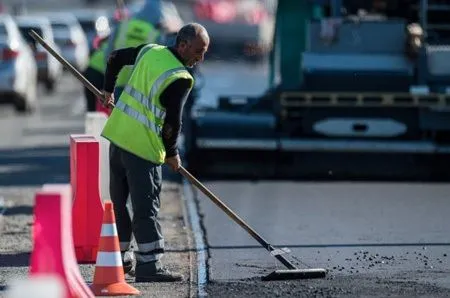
pixel 141 179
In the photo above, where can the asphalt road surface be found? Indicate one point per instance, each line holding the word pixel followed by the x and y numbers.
pixel 391 238
pixel 33 147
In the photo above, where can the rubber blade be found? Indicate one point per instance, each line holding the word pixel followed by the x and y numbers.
pixel 288 274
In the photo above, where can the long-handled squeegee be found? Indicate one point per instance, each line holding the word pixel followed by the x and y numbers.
pixel 292 272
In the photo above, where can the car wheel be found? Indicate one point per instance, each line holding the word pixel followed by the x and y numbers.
pixel 24 104
pixel 49 86
pixel 21 105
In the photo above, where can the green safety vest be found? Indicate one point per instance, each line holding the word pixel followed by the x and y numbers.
pixel 133 33
pixel 136 122
pixel 97 59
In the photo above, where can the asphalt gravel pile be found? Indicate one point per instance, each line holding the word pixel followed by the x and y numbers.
pixel 361 273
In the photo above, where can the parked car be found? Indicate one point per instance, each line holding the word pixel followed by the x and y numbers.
pixel 49 69
pixel 95 23
pixel 18 70
pixel 70 38
pixel 237 27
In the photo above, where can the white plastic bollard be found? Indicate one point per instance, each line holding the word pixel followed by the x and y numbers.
pixel 94 123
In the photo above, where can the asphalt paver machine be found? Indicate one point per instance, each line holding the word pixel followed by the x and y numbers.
pixel 357 89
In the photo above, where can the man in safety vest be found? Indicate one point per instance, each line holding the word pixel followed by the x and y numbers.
pixel 141 28
pixel 143 129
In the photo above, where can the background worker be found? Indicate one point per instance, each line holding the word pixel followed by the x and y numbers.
pixel 141 28
pixel 143 130
pixel 95 73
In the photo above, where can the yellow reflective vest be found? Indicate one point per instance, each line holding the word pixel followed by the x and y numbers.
pixel 97 59
pixel 133 33
pixel 136 122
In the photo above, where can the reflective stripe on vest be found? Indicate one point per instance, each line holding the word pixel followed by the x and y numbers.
pixel 145 101
pixel 138 116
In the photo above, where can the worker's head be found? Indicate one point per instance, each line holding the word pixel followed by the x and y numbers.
pixel 191 43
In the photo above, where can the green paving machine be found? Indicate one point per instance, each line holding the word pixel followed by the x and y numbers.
pixel 357 90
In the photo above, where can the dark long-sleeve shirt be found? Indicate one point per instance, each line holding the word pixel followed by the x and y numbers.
pixel 172 98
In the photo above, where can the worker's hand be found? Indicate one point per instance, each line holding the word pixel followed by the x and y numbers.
pixel 174 162
pixel 108 99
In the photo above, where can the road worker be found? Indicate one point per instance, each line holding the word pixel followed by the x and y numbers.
pixel 143 130
pixel 141 28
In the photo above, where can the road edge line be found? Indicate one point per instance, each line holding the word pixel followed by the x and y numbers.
pixel 193 219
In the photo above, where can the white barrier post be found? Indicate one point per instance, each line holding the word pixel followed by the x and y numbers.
pixel 94 123
pixel 38 286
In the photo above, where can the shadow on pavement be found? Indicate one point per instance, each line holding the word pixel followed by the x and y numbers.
pixel 34 167
pixel 15 260
pixel 31 167
pixel 19 210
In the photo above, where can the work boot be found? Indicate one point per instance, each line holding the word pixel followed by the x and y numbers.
pixel 152 272
pixel 127 266
pixel 127 262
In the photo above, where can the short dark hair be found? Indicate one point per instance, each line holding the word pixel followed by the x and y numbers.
pixel 189 32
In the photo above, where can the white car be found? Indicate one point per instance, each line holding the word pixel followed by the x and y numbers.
pixel 71 39
pixel 49 69
pixel 18 70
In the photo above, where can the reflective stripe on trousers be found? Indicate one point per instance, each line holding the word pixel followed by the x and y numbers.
pixel 149 252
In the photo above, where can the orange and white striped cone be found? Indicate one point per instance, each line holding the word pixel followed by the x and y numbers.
pixel 109 278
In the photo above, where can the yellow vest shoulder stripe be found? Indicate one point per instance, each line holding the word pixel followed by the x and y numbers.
pixel 162 78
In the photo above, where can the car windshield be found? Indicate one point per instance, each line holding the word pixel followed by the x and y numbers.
pixel 3 32
pixel 60 29
pixel 87 25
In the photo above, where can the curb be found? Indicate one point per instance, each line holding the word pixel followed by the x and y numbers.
pixel 3 209
pixel 199 257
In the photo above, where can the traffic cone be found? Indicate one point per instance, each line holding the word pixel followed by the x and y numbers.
pixel 109 278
